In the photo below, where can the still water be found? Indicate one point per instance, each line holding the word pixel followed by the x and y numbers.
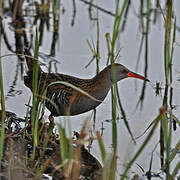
pixel 73 54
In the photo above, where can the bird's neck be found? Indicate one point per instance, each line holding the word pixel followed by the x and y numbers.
pixel 102 83
pixel 106 74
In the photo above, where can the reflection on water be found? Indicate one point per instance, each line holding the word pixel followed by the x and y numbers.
pixel 62 36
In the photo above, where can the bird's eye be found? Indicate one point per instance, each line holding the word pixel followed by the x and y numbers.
pixel 124 71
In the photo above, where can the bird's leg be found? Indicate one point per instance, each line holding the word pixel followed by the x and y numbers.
pixel 51 121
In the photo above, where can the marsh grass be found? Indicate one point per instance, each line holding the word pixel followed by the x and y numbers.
pixel 71 157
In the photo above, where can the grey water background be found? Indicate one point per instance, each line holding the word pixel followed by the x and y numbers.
pixel 73 54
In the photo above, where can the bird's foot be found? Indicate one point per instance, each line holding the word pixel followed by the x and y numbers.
pixel 51 120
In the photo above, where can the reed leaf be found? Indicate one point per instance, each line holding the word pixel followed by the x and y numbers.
pixel 117 22
pixel 75 88
pixel 172 155
pixel 63 143
pixel 176 170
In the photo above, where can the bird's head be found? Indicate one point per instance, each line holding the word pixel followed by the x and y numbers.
pixel 119 72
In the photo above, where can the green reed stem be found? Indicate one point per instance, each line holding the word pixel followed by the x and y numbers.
pixel 70 137
pixel 141 15
pixel 107 170
pixel 1 2
pixel 168 56
pixel 117 22
pixel 3 115
pixel 63 143
pixel 66 146
pixel 108 41
pixel 168 22
pixel 114 89
pixel 114 130
pixel 35 110
pixel 172 49
pixel 97 48
pixel 101 145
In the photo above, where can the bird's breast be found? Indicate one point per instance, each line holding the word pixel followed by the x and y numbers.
pixel 81 103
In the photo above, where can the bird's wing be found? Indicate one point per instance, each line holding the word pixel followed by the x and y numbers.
pixel 57 91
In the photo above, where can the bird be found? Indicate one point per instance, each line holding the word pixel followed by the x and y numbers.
pixel 63 100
